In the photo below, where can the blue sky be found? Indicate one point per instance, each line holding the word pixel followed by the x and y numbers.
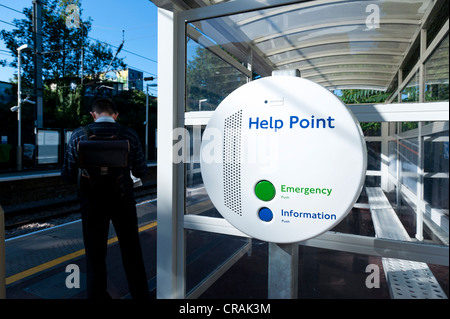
pixel 138 19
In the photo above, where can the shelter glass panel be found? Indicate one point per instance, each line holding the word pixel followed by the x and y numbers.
pixel 425 192
pixel 408 154
pixel 436 166
pixel 436 74
pixel 311 35
pixel 392 145
pixel 206 254
pixel 197 200
pixel 328 43
pixel 373 156
pixel 209 79
pixel 410 93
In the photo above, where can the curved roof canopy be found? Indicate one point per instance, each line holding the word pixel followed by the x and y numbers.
pixel 336 43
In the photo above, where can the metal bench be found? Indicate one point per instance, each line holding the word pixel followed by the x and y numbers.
pixel 406 279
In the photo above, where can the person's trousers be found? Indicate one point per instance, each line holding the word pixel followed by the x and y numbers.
pixel 96 215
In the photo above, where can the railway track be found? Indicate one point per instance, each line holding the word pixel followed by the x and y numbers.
pixel 60 210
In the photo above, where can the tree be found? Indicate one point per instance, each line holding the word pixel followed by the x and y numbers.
pixel 62 48
pixel 210 78
pixel 355 96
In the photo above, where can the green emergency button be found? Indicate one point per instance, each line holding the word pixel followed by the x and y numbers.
pixel 265 190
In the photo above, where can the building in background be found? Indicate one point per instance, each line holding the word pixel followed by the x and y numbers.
pixel 130 78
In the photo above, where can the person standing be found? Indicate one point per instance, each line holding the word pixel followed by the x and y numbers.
pixel 103 201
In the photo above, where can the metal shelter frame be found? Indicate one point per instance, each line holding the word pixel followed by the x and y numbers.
pixel 175 22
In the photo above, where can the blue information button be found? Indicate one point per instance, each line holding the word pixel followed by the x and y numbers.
pixel 265 214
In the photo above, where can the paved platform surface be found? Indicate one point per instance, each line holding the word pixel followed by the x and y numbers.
pixel 36 263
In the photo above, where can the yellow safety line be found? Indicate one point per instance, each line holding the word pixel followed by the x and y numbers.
pixel 62 259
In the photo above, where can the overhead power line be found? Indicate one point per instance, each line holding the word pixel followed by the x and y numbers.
pixel 2 5
pixel 63 14
pixel 7 22
pixel 111 45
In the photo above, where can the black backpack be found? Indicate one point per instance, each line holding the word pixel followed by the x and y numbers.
pixel 103 163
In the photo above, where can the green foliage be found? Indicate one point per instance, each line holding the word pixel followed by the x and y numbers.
pixel 63 105
pixel 371 128
pixel 62 58
pixel 410 94
pixel 8 119
pixel 63 46
pixel 15 38
pixel 131 106
pixel 437 92
pixel 210 78
pixel 354 96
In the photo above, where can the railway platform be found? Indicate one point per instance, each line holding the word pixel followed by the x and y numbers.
pixel 37 263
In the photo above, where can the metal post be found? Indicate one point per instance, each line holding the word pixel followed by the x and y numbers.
pixel 170 251
pixel 399 81
pixel 423 48
pixel 420 156
pixel 250 65
pixel 385 156
pixel 283 271
pixel 399 163
pixel 2 255
pixel 82 55
pixel 23 47
pixel 150 78
pixel 420 164
pixel 398 193
pixel 38 84
pixel 146 125
pixel 19 112
pixel 283 258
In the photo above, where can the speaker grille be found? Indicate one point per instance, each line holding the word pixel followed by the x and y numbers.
pixel 232 162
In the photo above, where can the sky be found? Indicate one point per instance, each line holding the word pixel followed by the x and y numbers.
pixel 137 18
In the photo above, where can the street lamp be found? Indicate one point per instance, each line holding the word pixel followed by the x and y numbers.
pixel 200 103
pixel 150 78
pixel 24 47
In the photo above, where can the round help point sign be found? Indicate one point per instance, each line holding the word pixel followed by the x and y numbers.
pixel 283 159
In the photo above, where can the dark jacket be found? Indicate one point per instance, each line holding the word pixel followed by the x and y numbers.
pixel 69 171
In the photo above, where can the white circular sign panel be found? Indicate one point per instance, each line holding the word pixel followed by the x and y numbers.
pixel 283 159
